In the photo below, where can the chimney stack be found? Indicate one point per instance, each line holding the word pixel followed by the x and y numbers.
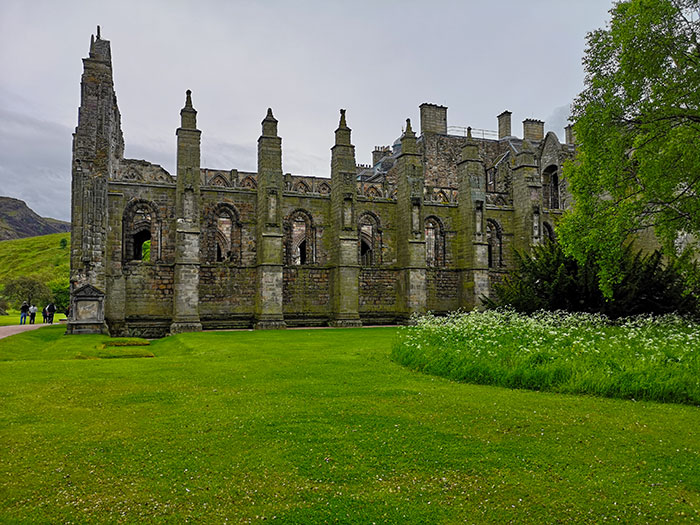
pixel 570 134
pixel 504 124
pixel 533 129
pixel 433 119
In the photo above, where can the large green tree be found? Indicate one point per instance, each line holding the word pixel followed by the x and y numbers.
pixel 27 289
pixel 637 125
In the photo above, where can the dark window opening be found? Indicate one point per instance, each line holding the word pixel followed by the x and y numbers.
pixel 140 246
pixel 494 241
pixel 555 192
pixel 365 253
pixel 302 252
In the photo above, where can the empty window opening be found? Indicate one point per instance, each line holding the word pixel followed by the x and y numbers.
pixel 494 242
pixel 434 243
pixel 299 243
pixel 370 240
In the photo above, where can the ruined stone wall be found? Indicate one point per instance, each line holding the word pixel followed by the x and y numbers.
pixel 149 290
pixel 306 295
pixel 227 295
pixel 379 301
pixel 443 290
pixel 269 249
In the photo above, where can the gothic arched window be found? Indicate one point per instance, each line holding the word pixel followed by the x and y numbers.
pixel 141 232
pixel 369 239
pixel 224 235
pixel 300 239
pixel 550 188
pixel 434 242
pixel 494 240
pixel 549 234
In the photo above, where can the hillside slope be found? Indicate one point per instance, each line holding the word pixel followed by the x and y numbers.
pixel 42 257
pixel 17 221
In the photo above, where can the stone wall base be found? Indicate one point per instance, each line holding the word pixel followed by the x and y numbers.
pixel 270 324
pixel 345 323
pixel 180 327
pixel 83 327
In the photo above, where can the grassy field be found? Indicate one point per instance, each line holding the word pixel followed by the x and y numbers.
pixel 314 426
pixel 12 318
pixel 40 257
pixel 642 358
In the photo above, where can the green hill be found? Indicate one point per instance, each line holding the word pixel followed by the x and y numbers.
pixel 40 257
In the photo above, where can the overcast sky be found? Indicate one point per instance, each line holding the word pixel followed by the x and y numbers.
pixel 380 59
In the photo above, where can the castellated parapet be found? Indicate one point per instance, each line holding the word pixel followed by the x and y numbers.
pixel 429 226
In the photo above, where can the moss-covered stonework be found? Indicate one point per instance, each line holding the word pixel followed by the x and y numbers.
pixel 430 225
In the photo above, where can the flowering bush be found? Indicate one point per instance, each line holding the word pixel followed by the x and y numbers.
pixel 643 357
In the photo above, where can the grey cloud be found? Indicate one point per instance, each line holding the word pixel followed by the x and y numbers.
pixel 35 158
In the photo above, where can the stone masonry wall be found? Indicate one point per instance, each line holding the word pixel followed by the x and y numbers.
pixel 149 290
pixel 443 290
pixel 306 295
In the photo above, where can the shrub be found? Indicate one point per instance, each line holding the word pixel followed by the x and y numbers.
pixel 547 279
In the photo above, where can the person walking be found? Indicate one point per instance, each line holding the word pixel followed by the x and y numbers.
pixel 44 315
pixel 32 313
pixel 50 310
pixel 23 311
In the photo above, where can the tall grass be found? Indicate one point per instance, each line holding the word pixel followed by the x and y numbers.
pixel 642 358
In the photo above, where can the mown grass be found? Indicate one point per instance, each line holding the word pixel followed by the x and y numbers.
pixel 12 318
pixel 318 426
pixel 641 358
pixel 40 257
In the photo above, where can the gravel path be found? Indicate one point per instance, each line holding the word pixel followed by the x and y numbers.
pixel 6 331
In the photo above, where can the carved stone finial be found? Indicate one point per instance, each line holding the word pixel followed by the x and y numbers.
pixel 343 123
pixel 98 32
pixel 409 129
pixel 188 100
pixel 269 124
pixel 469 132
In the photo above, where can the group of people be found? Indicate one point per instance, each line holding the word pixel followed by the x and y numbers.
pixel 27 311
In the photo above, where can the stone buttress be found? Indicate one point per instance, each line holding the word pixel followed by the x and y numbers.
pixel 410 226
pixel 270 251
pixel 527 199
pixel 187 228
pixel 472 256
pixel 344 253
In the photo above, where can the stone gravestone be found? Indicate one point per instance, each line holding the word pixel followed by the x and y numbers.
pixel 87 311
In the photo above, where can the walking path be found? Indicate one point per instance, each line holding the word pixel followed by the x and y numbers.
pixel 6 331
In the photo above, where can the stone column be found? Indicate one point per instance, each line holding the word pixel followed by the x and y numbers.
pixel 270 249
pixel 472 250
pixel 187 229
pixel 410 228
pixel 344 255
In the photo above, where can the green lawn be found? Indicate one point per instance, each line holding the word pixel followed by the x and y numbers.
pixel 314 426
pixel 12 318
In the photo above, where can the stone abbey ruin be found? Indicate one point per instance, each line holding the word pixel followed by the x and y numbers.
pixel 430 225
